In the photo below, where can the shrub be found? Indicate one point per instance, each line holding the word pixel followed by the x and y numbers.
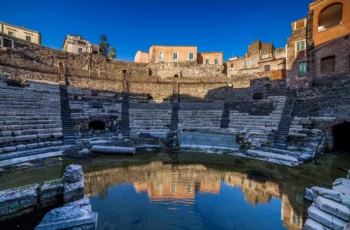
pixel 16 82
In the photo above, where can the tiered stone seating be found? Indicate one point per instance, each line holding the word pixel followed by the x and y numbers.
pixel 200 120
pixel 259 127
pixel 30 117
pixel 153 121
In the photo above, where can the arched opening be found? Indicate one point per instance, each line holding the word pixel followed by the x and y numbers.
pixel 341 138
pixel 97 125
pixel 176 75
pixel 330 16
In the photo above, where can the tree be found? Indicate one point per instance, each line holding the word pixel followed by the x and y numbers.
pixel 104 46
pixel 112 53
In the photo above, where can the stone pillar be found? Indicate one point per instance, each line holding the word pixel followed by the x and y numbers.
pixel 73 180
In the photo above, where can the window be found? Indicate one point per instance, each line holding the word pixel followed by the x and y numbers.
pixel 330 16
pixel 296 220
pixel 300 46
pixel 328 64
pixel 80 50
pixel 7 43
pixel 253 61
pixel 216 61
pixel 10 33
pixel 190 56
pixel 232 65
pixel 302 69
pixel 207 62
pixel 267 67
pixel 266 52
pixel 173 187
pixel 28 38
pixel 175 56
pixel 245 63
pixel 161 56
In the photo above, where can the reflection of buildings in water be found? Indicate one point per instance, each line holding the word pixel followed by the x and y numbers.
pixel 182 182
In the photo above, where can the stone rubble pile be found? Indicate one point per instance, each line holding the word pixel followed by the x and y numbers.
pixel 331 207
pixel 30 117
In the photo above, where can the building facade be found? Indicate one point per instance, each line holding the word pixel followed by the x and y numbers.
pixel 141 57
pixel 19 32
pixel 158 54
pixel 78 45
pixel 320 44
pixel 261 58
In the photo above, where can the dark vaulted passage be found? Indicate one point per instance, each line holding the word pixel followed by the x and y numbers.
pixel 341 136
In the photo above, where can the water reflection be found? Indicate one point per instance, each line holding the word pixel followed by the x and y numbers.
pixel 168 184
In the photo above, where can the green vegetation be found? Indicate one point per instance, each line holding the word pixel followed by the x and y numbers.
pixel 104 46
pixel 112 53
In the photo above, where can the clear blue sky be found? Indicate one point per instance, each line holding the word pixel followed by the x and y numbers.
pixel 131 25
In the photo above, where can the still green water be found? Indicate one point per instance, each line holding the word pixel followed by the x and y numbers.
pixel 190 190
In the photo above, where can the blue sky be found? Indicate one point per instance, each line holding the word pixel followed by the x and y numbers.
pixel 131 25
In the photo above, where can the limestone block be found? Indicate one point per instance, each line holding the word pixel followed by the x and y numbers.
pixel 32 146
pixel 1 150
pixel 48 143
pixel 69 217
pixel 82 203
pixel 6 133
pixel 4 128
pixel 25 137
pixel 342 185
pixel 17 133
pixel 73 174
pixel 51 192
pixel 73 192
pixel 310 224
pixel 333 208
pixel 21 147
pixel 6 139
pixel 325 218
pixel 327 193
pixel 10 149
pixel 44 135
pixel 15 200
pixel 57 135
pixel 16 127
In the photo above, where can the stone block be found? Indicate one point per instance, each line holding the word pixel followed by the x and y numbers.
pixel 69 217
pixel 325 219
pixel 73 192
pixel 6 139
pixel 26 137
pixel 57 135
pixel 73 174
pixel 310 224
pixel 6 133
pixel 327 193
pixel 32 146
pixel 10 149
pixel 41 144
pixel 44 135
pixel 21 147
pixel 51 192
pixel 16 200
pixel 333 208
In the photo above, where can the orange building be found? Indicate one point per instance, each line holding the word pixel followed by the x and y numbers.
pixel 158 54
pixel 319 45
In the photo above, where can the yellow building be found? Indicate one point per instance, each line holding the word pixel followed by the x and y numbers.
pixel 20 32
pixel 78 45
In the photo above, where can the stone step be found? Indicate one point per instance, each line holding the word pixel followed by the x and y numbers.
pixel 264 154
pixel 19 160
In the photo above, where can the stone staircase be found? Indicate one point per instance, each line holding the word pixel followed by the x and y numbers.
pixel 29 117
pixel 125 122
pixel 67 122
pixel 200 120
pixel 284 125
pixel 175 117
pixel 258 128
pixel 225 118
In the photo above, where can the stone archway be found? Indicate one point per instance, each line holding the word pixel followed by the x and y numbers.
pixel 97 125
pixel 341 137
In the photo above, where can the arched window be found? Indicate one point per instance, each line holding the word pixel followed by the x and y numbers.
pixel 330 16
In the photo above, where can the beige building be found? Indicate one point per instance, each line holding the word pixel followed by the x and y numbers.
pixel 159 54
pixel 141 57
pixel 20 32
pixel 78 45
